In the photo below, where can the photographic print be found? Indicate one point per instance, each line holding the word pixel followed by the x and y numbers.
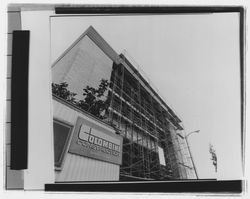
pixel 186 55
pixel 138 96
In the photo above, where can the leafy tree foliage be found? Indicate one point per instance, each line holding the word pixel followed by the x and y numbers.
pixel 62 91
pixel 214 156
pixel 94 100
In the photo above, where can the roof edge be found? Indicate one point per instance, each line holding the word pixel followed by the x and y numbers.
pixel 97 39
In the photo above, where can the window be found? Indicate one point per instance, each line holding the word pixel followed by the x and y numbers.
pixel 62 133
pixel 161 156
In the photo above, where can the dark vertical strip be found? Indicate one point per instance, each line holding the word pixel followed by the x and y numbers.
pixel 242 83
pixel 19 102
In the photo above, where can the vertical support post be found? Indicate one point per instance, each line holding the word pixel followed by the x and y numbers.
pixel 121 93
pixel 191 157
pixel 112 94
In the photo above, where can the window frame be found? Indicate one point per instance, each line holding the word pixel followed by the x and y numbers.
pixel 58 165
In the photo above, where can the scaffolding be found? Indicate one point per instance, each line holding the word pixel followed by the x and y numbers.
pixel 144 125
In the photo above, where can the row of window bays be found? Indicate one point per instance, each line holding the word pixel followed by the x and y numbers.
pixel 130 93
pixel 134 111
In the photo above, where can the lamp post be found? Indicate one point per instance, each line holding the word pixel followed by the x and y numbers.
pixel 186 136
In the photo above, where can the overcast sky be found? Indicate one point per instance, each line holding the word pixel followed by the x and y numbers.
pixel 193 60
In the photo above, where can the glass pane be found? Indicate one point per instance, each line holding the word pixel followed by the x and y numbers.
pixel 81 76
pixel 140 138
pixel 61 134
pixel 135 136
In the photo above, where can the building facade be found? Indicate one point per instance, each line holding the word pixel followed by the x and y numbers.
pixel 106 91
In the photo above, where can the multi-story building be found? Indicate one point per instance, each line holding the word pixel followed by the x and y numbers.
pixel 91 81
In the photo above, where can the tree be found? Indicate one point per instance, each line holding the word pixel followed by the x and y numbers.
pixel 94 100
pixel 62 91
pixel 214 156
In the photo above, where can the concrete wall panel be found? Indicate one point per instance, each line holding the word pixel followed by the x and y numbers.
pixel 76 167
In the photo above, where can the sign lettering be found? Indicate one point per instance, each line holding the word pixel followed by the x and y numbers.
pixel 96 142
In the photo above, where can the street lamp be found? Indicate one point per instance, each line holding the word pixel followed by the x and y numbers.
pixel 185 137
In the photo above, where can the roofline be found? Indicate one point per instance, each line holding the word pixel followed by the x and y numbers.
pixel 98 40
pixel 86 113
pixel 150 87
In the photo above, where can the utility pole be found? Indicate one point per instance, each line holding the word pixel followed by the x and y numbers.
pixel 191 156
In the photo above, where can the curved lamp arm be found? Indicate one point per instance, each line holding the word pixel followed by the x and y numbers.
pixel 191 156
pixel 185 138
pixel 192 133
